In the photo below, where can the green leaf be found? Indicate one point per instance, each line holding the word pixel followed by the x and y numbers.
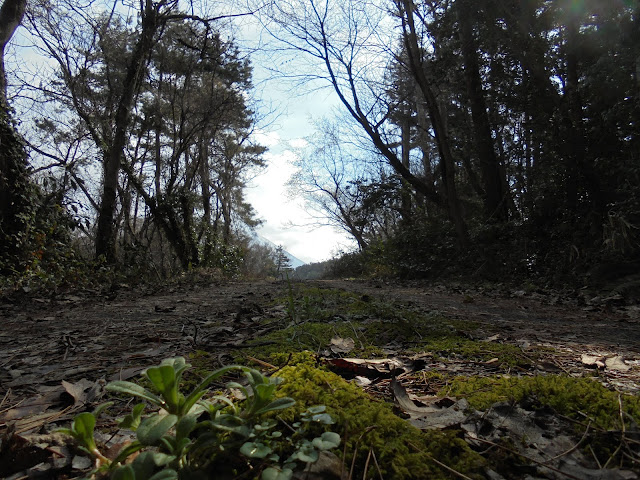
pixel 316 409
pixel 306 454
pixel 128 388
pixel 278 404
pixel 166 474
pixel 179 364
pixel 265 391
pixel 124 472
pixel 185 426
pixel 101 408
pixel 132 420
pixel 272 473
pixel 326 441
pixel 192 405
pixel 266 425
pixel 323 418
pixel 130 449
pixel 190 401
pixel 153 428
pixel 144 465
pixel 82 429
pixel 163 379
pixel 224 402
pixel 255 377
pixel 255 450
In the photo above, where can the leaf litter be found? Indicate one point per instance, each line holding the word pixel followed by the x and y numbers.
pixel 56 354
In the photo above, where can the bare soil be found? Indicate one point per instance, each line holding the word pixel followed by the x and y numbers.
pixel 50 344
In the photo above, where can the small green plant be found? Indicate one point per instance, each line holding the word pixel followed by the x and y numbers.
pixel 186 435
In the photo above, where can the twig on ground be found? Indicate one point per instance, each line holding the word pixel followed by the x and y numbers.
pixel 262 363
pixel 4 399
pixel 38 422
pixel 593 454
pixel 572 448
pixel 356 334
pixel 355 449
pixel 366 465
pixel 622 432
pixel 375 460
pixel 613 455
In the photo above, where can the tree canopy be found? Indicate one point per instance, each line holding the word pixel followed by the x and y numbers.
pixel 510 128
pixel 492 137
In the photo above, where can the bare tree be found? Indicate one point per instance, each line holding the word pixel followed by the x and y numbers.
pixel 343 39
pixel 327 178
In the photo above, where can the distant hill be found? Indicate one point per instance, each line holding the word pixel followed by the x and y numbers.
pixel 312 271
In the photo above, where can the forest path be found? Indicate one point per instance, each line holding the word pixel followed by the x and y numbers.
pixel 87 335
pixel 56 353
pixel 520 316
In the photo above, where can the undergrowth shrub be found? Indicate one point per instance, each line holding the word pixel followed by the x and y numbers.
pixel 202 435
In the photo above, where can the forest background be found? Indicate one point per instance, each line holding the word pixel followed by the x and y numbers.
pixel 488 139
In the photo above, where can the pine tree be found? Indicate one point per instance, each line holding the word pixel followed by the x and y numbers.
pixel 283 264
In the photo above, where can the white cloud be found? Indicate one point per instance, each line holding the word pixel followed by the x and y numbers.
pixel 298 143
pixel 286 221
pixel 267 139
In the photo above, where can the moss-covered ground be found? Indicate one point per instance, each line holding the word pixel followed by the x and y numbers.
pixel 369 426
pixel 315 315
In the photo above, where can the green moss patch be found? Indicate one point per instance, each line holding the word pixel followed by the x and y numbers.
pixel 368 425
pixel 579 398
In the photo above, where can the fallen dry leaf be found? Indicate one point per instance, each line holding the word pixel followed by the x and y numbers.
pixel 617 363
pixel 371 368
pixel 79 391
pixel 342 345
pixel 430 417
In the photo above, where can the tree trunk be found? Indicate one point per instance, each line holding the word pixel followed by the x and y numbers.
pixel 577 161
pixel 405 208
pixel 114 155
pixel 494 195
pixel 207 234
pixel 437 122
pixel 11 14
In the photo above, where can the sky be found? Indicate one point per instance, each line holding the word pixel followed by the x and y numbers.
pixel 286 222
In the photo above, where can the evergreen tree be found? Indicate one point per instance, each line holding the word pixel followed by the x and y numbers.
pixel 282 262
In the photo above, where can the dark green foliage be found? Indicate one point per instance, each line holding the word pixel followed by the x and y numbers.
pixel 35 227
pixel 311 271
pixel 521 145
pixel 194 435
pixel 17 198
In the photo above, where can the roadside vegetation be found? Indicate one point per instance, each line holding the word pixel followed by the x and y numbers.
pixel 484 143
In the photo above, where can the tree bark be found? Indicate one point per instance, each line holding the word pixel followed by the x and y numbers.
pixel 11 14
pixel 14 177
pixel 405 209
pixel 114 156
pixel 494 196
pixel 437 121
pixel 577 162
